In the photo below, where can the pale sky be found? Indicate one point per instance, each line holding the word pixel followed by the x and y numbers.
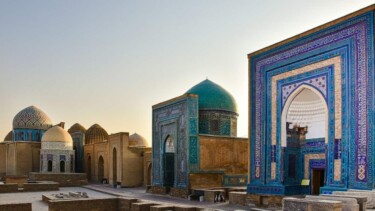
pixel 108 62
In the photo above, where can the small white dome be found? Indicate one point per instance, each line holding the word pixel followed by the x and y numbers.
pixel 137 140
pixel 57 134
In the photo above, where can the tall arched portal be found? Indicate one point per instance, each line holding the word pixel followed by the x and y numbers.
pixel 114 165
pixel 169 161
pixel 100 169
pixel 304 129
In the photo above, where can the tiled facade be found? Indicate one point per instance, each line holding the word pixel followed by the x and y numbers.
pixel 341 53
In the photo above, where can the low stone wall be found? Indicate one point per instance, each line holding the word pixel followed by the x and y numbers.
pixel 120 204
pixel 8 188
pixel 125 204
pixel 238 198
pixel 290 203
pixel 206 180
pixel 158 190
pixel 142 206
pixel 48 186
pixel 65 179
pixel 179 192
pixel 16 207
pixel 264 200
pixel 20 180
pixel 84 204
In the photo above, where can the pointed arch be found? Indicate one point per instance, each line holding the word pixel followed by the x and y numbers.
pixel 289 101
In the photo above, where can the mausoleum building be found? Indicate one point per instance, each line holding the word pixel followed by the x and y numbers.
pixel 195 143
pixel 312 110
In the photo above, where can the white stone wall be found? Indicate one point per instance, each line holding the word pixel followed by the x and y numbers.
pixel 56 160
pixel 57 145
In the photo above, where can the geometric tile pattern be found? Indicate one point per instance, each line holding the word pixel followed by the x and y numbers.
pixel 32 118
pixel 352 40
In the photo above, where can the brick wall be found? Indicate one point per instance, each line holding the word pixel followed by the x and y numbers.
pixel 8 188
pixel 179 192
pixel 16 207
pixel 84 204
pixel 65 180
pixel 40 186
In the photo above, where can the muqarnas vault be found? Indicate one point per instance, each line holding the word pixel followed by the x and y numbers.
pixel 312 110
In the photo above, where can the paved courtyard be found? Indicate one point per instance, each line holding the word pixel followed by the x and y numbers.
pixel 36 197
pixel 107 191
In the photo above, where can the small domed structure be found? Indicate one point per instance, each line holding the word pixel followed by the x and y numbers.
pixel 95 134
pixel 217 109
pixel 9 136
pixel 57 154
pixel 137 140
pixel 57 134
pixel 77 128
pixel 32 118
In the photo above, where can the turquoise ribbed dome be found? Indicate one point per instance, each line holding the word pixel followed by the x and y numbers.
pixel 213 97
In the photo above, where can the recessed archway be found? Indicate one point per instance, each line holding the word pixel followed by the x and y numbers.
pixel 305 107
pixel 89 168
pixel 114 165
pixel 62 166
pixel 100 169
pixel 169 161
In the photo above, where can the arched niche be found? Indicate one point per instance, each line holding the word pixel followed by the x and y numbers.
pixel 307 102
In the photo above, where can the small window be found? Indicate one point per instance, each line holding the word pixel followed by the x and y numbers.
pixel 169 145
pixel 215 125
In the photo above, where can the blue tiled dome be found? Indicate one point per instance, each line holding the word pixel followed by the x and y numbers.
pixel 213 97
pixel 32 118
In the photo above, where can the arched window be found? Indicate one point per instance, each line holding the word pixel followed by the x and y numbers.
pixel 169 145
pixel 49 165
pixel 71 164
pixel 62 166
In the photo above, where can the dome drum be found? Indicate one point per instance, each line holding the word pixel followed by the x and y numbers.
pixel 217 109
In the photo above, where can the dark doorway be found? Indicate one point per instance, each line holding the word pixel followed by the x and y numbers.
pixel 168 169
pixel 114 167
pixel 100 169
pixel 50 165
pixel 317 181
pixel 149 173
pixel 89 168
pixel 62 166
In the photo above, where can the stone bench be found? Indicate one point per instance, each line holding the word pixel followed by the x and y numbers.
pixel 369 193
pixel 296 204
pixel 348 204
pixel 361 200
pixel 370 200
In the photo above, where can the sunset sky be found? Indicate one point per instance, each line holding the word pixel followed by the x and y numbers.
pixel 108 62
